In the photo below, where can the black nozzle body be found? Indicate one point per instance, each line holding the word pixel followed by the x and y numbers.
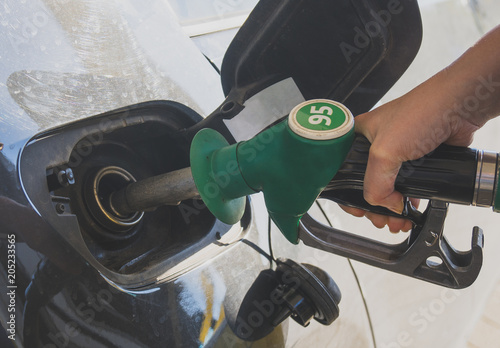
pixel 447 174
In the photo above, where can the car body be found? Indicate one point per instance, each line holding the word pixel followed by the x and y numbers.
pixel 88 85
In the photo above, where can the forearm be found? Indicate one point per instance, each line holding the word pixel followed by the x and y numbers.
pixel 449 107
pixel 473 81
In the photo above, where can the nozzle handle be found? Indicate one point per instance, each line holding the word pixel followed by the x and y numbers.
pixel 426 254
pixel 448 174
pixel 451 174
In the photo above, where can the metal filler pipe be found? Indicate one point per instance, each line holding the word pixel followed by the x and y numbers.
pixel 166 189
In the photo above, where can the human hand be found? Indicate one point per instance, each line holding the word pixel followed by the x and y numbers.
pixel 447 108
pixel 403 130
pixel 394 224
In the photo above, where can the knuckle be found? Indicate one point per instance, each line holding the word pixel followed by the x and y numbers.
pixel 373 197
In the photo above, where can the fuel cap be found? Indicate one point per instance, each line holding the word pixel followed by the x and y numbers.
pixel 320 119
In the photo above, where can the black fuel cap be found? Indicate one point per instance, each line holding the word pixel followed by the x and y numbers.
pixel 310 292
pixel 302 291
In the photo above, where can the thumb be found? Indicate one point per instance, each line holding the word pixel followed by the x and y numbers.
pixel 380 175
pixel 382 168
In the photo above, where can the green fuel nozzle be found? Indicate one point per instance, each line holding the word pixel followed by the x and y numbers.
pixel 312 152
pixel 291 163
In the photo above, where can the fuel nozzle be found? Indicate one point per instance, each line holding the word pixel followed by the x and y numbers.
pixel 291 163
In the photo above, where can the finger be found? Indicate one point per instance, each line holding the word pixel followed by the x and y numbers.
pixel 363 125
pixel 353 211
pixel 408 226
pixel 381 172
pixel 377 220
pixel 396 224
pixel 415 202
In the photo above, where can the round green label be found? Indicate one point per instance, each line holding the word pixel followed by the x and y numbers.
pixel 320 116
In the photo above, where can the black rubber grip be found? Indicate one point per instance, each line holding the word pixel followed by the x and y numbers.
pixel 446 174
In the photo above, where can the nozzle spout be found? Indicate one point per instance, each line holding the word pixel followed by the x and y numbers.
pixel 147 194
